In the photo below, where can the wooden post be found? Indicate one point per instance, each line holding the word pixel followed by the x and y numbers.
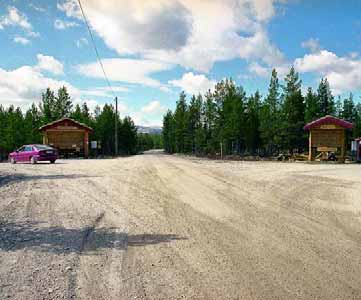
pixel 86 144
pixel 343 146
pixel 310 147
pixel 45 138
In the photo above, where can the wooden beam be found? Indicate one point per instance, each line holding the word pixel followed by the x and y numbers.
pixel 343 146
pixel 310 146
pixel 86 144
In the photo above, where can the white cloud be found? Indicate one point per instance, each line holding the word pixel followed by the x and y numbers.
pixel 194 34
pixel 258 69
pixel 21 40
pixel 14 17
pixel 104 91
pixel 193 84
pixel 343 73
pixel 153 107
pixel 70 7
pixel 50 64
pixel 61 25
pixel 135 71
pixel 81 42
pixel 37 8
pixel 25 85
pixel 312 44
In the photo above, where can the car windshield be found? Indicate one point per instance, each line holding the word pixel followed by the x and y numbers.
pixel 43 147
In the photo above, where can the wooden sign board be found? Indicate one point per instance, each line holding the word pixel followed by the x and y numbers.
pixel 326 149
pixel 67 127
pixel 328 126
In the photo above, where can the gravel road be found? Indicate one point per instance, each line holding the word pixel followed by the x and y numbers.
pixel 156 226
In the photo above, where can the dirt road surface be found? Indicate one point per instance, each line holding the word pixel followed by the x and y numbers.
pixel 166 227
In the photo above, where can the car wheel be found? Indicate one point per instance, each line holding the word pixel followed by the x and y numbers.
pixel 12 160
pixel 33 160
pixel 52 161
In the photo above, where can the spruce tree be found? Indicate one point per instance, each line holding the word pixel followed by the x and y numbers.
pixel 293 112
pixel 325 98
pixel 63 104
pixel 181 124
pixel 252 134
pixel 348 110
pixel 270 116
pixel 48 106
pixel 312 106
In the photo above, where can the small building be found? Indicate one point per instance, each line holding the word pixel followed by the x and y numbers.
pixel 68 136
pixel 327 135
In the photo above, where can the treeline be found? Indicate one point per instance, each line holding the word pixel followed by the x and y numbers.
pixel 228 120
pixel 18 128
pixel 148 141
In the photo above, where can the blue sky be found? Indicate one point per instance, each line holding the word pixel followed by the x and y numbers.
pixel 152 50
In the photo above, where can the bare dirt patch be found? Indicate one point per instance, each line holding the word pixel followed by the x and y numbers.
pixel 164 227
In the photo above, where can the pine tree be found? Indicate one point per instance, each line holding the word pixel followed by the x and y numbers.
pixel 270 116
pixel 294 113
pixel 181 124
pixel 325 98
pixel 32 123
pixel 63 103
pixel 168 132
pixel 312 106
pixel 127 136
pixel 77 114
pixel 357 123
pixel 209 125
pixel 48 106
pixel 338 107
pixel 194 122
pixel 348 110
pixel 252 134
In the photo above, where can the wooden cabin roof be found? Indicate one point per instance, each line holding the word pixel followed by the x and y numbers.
pixel 65 120
pixel 328 120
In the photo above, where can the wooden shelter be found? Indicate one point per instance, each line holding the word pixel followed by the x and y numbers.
pixel 358 149
pixel 68 136
pixel 327 135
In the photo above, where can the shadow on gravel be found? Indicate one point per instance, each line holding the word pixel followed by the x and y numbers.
pixel 60 240
pixel 15 178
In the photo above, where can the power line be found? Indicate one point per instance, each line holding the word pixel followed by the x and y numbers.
pixel 106 79
pixel 95 48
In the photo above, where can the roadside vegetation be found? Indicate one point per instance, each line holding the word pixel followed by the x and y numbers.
pixel 230 121
pixel 18 128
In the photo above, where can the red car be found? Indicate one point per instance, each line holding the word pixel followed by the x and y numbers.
pixel 33 154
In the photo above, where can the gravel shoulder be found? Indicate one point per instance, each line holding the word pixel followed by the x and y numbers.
pixel 156 226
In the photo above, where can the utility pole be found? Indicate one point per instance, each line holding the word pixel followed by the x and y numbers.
pixel 116 126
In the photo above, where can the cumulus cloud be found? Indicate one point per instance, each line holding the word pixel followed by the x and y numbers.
pixel 61 25
pixel 21 40
pixel 137 71
pixel 194 34
pixel 14 17
pixel 50 64
pixel 259 70
pixel 153 107
pixel 193 83
pixel 312 44
pixel 37 8
pixel 343 73
pixel 25 85
pixel 104 91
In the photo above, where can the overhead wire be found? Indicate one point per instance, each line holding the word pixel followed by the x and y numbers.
pixel 95 48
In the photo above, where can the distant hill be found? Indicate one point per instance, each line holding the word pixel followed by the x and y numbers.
pixel 150 129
